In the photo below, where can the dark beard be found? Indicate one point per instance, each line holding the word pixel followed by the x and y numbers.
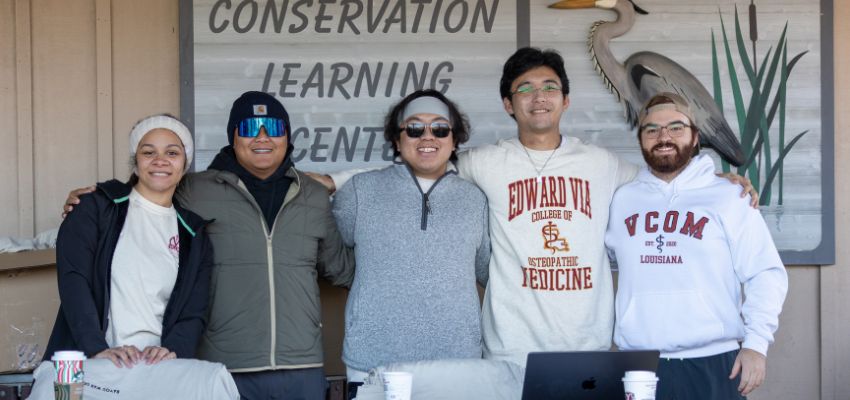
pixel 667 164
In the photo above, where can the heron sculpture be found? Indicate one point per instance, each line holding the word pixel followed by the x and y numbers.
pixel 645 74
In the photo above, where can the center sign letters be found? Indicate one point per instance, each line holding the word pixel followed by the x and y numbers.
pixel 368 81
pixel 353 16
pixel 337 65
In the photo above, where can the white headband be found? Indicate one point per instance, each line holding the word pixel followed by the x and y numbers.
pixel 425 105
pixel 163 122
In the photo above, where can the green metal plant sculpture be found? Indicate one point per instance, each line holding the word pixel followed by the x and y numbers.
pixel 756 118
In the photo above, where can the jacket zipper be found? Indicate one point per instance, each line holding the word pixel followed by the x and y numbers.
pixel 270 258
pixel 272 311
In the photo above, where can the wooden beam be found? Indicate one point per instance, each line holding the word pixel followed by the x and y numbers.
pixel 24 117
pixel 103 51
pixel 835 279
pixel 27 259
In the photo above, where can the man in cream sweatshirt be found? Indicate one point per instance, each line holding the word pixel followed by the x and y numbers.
pixel 685 244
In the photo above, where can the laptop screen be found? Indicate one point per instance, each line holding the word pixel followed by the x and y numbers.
pixel 582 374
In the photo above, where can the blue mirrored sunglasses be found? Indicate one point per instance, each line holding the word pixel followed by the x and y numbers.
pixel 250 127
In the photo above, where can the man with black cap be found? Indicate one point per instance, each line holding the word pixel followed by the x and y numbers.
pixel 273 234
pixel 685 246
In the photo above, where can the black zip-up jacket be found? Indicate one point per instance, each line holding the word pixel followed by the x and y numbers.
pixel 84 249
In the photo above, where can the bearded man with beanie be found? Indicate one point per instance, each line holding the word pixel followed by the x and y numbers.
pixel 685 245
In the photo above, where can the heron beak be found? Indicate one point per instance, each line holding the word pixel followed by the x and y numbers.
pixel 573 4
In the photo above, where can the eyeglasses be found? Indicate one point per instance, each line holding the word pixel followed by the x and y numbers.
pixel 417 129
pixel 548 90
pixel 250 127
pixel 675 129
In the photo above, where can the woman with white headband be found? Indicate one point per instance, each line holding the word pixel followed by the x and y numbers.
pixel 133 266
pixel 421 241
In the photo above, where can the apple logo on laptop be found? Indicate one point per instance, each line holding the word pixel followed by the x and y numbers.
pixel 589 384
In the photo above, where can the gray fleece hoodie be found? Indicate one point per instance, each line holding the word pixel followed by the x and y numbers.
pixel 418 256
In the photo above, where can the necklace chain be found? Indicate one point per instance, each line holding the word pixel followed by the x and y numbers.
pixel 533 164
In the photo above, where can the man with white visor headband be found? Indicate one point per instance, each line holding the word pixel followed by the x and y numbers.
pixel 417 230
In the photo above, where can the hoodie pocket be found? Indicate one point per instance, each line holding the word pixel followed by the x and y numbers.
pixel 668 322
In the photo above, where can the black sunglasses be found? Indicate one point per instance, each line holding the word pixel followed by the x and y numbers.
pixel 417 129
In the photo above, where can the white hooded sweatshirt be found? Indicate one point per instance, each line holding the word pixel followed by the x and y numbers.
pixel 684 249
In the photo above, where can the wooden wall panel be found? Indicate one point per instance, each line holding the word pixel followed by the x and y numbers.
pixel 23 113
pixel 28 305
pixel 64 103
pixel 835 280
pixel 8 119
pixel 145 67
pixel 103 51
pixel 797 345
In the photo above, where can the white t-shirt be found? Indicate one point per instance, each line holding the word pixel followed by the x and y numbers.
pixel 425 183
pixel 144 270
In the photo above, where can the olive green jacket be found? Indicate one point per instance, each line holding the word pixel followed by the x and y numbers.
pixel 264 309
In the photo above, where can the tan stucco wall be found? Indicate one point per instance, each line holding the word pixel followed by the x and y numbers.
pixel 75 75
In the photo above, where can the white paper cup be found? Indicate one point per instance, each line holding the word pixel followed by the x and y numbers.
pixel 397 385
pixel 640 385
